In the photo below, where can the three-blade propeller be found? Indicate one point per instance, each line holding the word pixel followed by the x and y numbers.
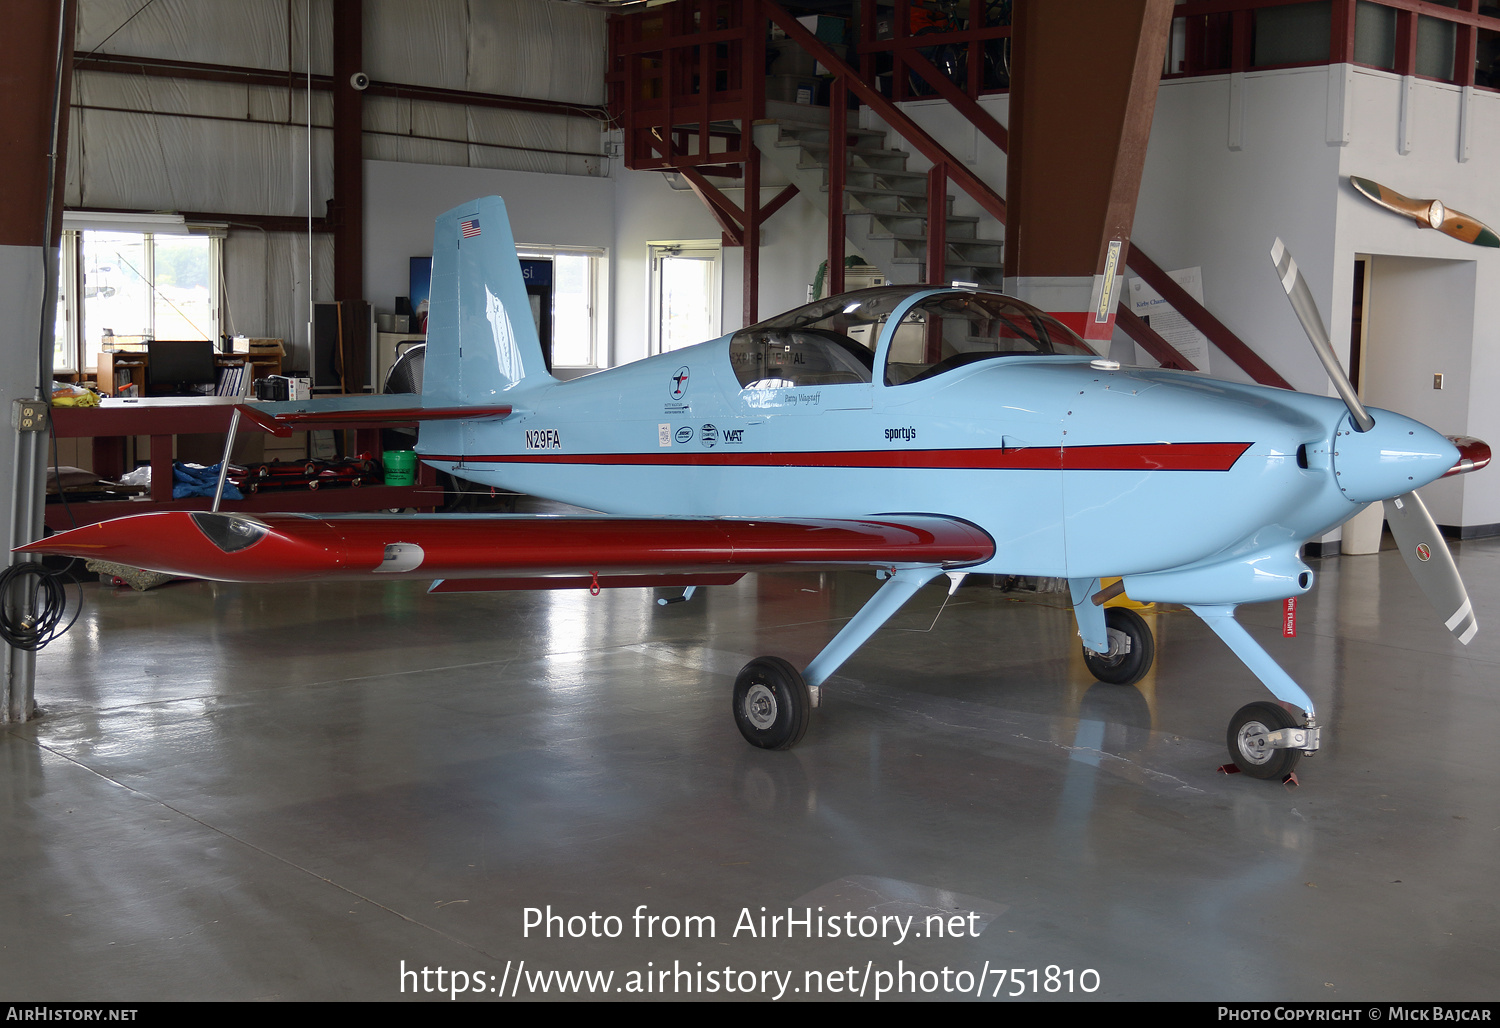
pixel 1416 534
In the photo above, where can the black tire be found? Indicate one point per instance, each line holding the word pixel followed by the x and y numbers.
pixel 771 704
pixel 1248 729
pixel 1129 667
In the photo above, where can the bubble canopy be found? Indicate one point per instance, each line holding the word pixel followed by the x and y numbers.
pixel 925 332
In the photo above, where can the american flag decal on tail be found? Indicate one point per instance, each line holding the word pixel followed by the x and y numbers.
pixel 469 227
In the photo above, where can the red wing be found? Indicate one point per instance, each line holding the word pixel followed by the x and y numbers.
pixel 291 547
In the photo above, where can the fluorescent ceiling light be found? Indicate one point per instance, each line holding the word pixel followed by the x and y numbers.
pixel 120 221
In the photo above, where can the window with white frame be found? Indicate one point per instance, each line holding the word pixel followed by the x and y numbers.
pixel 125 285
pixel 577 294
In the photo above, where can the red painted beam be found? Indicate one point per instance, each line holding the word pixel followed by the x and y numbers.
pixel 194 71
pixel 347 209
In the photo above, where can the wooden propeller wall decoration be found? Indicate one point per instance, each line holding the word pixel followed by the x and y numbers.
pixel 1428 213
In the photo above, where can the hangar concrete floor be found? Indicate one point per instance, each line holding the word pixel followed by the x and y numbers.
pixel 296 792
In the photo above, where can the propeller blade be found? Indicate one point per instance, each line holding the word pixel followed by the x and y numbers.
pixel 1468 230
pixel 1428 213
pixel 1431 563
pixel 1422 545
pixel 1312 323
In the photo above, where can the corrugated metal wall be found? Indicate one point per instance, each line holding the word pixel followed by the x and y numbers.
pixel 145 142
pixel 175 144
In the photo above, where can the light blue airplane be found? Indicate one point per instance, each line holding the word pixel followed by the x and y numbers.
pixel 919 431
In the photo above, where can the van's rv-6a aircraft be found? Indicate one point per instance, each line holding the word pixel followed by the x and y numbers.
pixel 918 431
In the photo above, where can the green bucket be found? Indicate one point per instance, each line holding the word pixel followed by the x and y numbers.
pixel 400 467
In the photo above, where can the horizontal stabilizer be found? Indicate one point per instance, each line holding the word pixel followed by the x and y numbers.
pixel 394 410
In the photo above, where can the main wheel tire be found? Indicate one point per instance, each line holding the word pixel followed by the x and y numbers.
pixel 1136 654
pixel 771 704
pixel 1247 740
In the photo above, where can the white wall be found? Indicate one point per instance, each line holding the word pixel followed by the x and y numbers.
pixel 622 214
pixel 793 244
pixel 1435 166
pixel 1203 204
pixel 403 200
pixel 647 208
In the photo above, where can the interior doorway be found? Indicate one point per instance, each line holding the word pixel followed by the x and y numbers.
pixel 1362 533
pixel 684 294
pixel 1411 349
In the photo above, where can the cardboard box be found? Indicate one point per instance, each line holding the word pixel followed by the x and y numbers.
pixel 245 344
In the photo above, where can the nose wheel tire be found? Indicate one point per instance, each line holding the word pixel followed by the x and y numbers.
pixel 1247 741
pixel 1131 648
pixel 771 704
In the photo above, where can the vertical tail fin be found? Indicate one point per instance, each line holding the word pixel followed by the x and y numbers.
pixel 481 339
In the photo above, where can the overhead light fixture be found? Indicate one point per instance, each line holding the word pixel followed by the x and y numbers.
pixel 126 221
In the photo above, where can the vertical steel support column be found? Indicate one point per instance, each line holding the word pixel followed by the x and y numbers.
pixel 1077 148
pixel 753 65
pixel 937 224
pixel 36 80
pixel 348 213
pixel 838 168
pixel 752 231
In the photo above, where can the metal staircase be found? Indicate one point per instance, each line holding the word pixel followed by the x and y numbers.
pixel 886 205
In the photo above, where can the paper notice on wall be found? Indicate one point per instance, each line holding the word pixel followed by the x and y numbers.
pixel 1171 326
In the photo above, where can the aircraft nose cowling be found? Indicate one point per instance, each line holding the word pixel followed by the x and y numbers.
pixel 1396 456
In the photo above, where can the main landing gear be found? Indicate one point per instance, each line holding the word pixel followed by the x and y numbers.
pixel 773 701
pixel 772 704
pixel 1131 648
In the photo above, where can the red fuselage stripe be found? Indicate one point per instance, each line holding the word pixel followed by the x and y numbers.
pixel 1127 457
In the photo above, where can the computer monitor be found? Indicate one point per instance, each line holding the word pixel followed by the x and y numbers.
pixel 179 367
